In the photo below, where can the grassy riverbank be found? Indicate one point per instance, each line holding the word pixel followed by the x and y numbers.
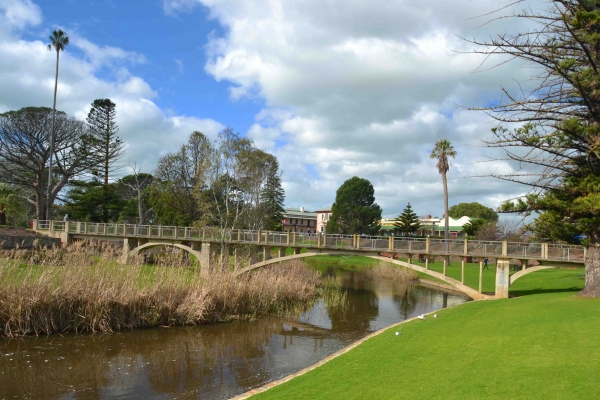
pixel 82 289
pixel 543 345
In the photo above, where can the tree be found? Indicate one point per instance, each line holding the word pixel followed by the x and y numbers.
pixel 442 151
pixel 24 152
pixel 9 203
pixel 93 201
pixel 408 221
pixel 471 227
pixel 473 210
pixel 272 198
pixel 172 194
pixel 59 40
pixel 354 210
pixel 106 145
pixel 558 121
pixel 134 189
pixel 225 188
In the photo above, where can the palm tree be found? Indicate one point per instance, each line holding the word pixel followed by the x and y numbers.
pixel 59 40
pixel 442 151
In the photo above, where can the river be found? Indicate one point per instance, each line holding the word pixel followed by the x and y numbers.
pixel 215 361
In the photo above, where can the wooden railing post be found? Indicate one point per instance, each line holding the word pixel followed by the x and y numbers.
pixel 466 250
pixel 462 275
pixel 287 239
pixel 294 238
pixel 391 244
pixel 504 248
pixel 318 240
pixel 444 266
pixel 259 237
pixel 428 245
pixel 324 241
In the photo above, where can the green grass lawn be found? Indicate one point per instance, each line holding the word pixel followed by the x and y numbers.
pixel 543 345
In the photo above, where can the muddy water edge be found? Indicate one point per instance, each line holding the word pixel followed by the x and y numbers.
pixel 215 361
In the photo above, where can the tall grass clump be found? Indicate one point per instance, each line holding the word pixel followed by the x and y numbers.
pixel 389 272
pixel 83 289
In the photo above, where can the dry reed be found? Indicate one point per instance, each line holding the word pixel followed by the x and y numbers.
pixel 82 289
pixel 386 271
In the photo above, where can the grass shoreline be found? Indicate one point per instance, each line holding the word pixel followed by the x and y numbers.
pixel 540 345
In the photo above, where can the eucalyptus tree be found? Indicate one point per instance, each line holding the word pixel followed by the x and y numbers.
pixel 58 41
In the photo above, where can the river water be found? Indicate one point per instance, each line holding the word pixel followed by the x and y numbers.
pixel 207 362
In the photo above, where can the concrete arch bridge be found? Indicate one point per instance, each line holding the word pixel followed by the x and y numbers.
pixel 204 243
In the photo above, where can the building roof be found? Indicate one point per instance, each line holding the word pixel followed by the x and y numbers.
pixel 296 213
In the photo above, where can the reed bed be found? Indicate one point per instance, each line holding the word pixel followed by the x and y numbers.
pixel 82 288
pixel 386 271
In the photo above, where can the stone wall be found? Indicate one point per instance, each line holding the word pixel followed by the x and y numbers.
pixel 9 242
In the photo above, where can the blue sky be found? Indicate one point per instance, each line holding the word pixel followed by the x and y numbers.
pixel 333 89
pixel 174 47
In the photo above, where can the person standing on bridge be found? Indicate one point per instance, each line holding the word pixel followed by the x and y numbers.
pixel 485 262
pixel 66 218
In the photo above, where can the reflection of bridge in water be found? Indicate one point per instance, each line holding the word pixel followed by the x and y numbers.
pixel 203 243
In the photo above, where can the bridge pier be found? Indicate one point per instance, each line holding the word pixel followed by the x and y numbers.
pixel 502 278
pixel 266 253
pixel 206 256
pixel 297 250
pixel 281 251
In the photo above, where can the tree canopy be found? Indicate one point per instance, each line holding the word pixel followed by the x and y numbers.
pixel 408 221
pixel 473 210
pixel 354 210
pixel 557 121
pixel 25 137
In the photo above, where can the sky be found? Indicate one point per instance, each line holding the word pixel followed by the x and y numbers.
pixel 334 89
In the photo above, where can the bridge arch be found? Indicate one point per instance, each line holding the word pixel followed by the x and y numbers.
pixel 183 247
pixel 526 271
pixel 472 293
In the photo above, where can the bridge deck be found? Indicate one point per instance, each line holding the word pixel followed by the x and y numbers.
pixel 417 247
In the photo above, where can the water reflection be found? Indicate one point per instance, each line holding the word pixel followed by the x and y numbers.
pixel 214 361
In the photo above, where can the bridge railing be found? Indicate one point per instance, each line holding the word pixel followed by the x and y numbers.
pixel 339 241
pixel 561 252
pixel 525 250
pixel 373 243
pixel 473 248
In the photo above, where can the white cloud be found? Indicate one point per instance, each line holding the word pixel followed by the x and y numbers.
pixel 27 71
pixel 365 88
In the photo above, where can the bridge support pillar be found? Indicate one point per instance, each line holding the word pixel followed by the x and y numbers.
pixel 128 245
pixel 523 265
pixel 206 252
pixel 297 250
pixel 281 252
pixel 266 253
pixel 502 278
pixel 462 270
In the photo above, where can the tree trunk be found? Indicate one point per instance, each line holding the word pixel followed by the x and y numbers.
pixel 48 204
pixel 446 227
pixel 592 272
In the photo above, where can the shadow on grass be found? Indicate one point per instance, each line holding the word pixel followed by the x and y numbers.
pixel 529 292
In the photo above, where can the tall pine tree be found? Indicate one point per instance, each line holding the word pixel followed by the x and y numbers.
pixel 107 146
pixel 272 199
pixel 408 221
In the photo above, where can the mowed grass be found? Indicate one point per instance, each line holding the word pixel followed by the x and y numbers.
pixel 543 345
